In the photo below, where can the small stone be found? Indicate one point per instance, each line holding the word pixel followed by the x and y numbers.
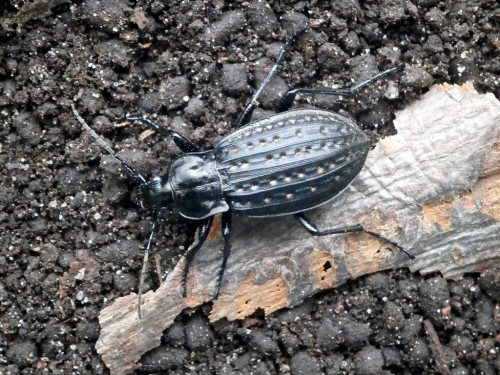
pixel 173 90
pixel 332 58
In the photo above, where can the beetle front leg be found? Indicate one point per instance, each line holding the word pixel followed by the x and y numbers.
pixel 312 229
pixel 203 231
pixel 182 142
pixel 226 234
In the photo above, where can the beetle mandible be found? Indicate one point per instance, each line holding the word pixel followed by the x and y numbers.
pixel 284 164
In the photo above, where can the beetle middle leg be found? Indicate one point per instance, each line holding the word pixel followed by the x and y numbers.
pixel 287 99
pixel 203 230
pixel 313 230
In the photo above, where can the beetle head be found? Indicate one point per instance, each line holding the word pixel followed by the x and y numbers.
pixel 154 195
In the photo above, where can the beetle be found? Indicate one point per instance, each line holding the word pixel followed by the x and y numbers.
pixel 284 164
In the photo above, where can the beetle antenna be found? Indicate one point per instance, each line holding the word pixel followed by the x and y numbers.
pixel 145 263
pixel 131 171
pixel 245 116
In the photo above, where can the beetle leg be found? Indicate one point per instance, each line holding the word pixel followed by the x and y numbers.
pixel 312 229
pixel 182 142
pixel 145 262
pixel 247 113
pixel 226 234
pixel 203 231
pixel 287 99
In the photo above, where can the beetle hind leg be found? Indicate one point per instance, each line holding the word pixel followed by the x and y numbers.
pixel 313 230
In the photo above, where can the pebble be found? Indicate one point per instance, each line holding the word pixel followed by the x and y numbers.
pixel 263 343
pixel 416 77
pixel 221 30
pixel 28 128
pixel 332 58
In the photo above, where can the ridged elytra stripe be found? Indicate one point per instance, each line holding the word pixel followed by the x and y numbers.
pixel 290 162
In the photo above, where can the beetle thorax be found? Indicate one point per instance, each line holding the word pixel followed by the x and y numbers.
pixel 196 185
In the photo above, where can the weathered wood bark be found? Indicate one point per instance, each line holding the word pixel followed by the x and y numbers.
pixel 433 188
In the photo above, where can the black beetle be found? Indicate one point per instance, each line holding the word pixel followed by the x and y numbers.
pixel 285 164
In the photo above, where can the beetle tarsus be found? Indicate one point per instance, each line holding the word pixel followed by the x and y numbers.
pixel 400 248
pixel 218 283
pixel 376 77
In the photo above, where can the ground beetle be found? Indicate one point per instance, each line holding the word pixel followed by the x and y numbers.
pixel 285 164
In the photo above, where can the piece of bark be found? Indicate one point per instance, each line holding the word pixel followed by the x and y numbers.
pixel 433 188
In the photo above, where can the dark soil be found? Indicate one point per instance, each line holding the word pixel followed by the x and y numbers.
pixel 71 236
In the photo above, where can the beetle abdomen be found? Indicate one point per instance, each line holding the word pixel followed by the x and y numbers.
pixel 290 162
